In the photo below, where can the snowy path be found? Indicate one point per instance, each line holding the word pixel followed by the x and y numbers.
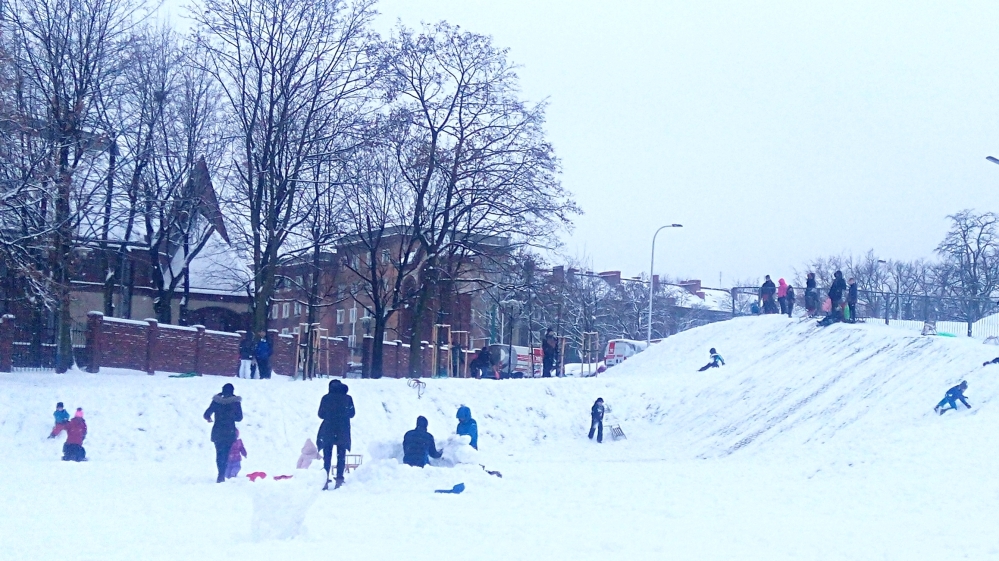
pixel 810 444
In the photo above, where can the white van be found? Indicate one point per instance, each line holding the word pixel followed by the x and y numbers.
pixel 618 350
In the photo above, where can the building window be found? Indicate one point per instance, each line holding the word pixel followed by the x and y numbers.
pixel 355 262
pixel 295 331
pixel 386 256
pixel 285 308
pixel 298 280
pixel 274 311
pixel 351 341
pixel 284 331
pixel 353 315
pixel 339 317
pixel 298 309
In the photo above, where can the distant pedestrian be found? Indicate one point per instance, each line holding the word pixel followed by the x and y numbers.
pixel 246 352
pixel 811 295
pixel 851 301
pixel 61 417
pixel 468 426
pixel 481 365
pixel 790 300
pixel 418 445
pixel 767 292
pixel 836 297
pixel 550 350
pixel 782 295
pixel 236 454
pixel 263 355
pixel 336 410
pixel 597 419
pixel 954 395
pixel 716 361
pixel 228 410
pixel 76 432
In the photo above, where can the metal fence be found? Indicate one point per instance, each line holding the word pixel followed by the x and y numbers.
pixel 972 317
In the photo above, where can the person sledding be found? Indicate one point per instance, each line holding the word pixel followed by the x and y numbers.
pixel 716 361
pixel 835 300
pixel 954 395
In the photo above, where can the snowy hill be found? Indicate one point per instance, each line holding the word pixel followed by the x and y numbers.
pixel 809 443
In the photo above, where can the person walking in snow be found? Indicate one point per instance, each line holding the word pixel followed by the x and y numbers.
pixel 236 454
pixel 811 295
pixel 715 360
pixel 246 352
pixel 418 445
pixel 336 410
pixel 851 301
pixel 953 395
pixel 228 410
pixel 790 300
pixel 597 419
pixel 782 295
pixel 263 354
pixel 767 291
pixel 76 432
pixel 550 350
pixel 61 418
pixel 468 426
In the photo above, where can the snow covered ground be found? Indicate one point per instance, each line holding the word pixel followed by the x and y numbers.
pixel 811 443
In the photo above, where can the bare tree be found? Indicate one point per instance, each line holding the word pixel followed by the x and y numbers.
pixel 291 72
pixel 971 251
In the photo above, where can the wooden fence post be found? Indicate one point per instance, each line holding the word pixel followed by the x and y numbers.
pixel 152 345
pixel 7 343
pixel 95 355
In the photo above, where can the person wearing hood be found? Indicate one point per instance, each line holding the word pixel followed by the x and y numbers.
pixel 336 410
pixel 228 410
pixel 790 300
pixel 950 400
pixel 836 296
pixel 597 419
pixel 851 301
pixel 467 425
pixel 309 453
pixel 76 431
pixel 782 295
pixel 811 295
pixel 418 445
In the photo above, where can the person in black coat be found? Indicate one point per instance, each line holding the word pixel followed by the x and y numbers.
pixel 418 445
pixel 228 411
pixel 597 419
pixel 767 292
pixel 246 352
pixel 481 365
pixel 336 410
pixel 811 295
pixel 836 296
pixel 790 300
pixel 263 354
pixel 550 350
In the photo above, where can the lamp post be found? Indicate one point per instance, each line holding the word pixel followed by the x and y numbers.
pixel 652 273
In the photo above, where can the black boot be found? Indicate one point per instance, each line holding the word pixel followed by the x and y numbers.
pixel 339 483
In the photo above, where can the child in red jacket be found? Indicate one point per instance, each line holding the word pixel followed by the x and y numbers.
pixel 236 453
pixel 76 431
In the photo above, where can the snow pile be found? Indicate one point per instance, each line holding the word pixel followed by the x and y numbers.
pixel 810 443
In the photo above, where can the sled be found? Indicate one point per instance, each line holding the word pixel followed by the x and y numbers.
pixel 353 462
pixel 617 433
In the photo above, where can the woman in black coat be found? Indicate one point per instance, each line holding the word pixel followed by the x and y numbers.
pixel 228 411
pixel 336 410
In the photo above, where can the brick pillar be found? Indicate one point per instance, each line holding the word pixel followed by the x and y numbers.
pixel 425 350
pixel 7 343
pixel 199 349
pixel 152 345
pixel 367 348
pixel 94 336
pixel 392 356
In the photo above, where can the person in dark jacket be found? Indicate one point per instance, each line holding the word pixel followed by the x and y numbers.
pixel 228 411
pixel 76 431
pixel 767 292
pixel 467 425
pixel 418 445
pixel 851 301
pixel 790 300
pixel 715 360
pixel 597 419
pixel 481 365
pixel 811 295
pixel 836 296
pixel 953 395
pixel 263 355
pixel 550 350
pixel 336 410
pixel 246 352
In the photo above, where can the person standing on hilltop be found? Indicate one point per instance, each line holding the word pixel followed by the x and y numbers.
pixel 836 298
pixel 811 295
pixel 228 410
pixel 263 355
pixel 767 296
pixel 336 410
pixel 851 301
pixel 782 295
pixel 790 300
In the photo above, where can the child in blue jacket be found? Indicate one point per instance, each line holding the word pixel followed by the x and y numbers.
pixel 715 359
pixel 467 425
pixel 61 419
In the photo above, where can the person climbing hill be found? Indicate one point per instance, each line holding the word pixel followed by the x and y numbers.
pixel 336 410
pixel 953 396
pixel 715 360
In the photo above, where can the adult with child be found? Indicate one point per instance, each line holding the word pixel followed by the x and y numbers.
pixel 481 365
pixel 76 432
pixel 336 410
pixel 418 445
pixel 835 300
pixel 228 410
pixel 954 395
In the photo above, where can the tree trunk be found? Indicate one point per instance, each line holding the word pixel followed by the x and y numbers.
pixel 62 274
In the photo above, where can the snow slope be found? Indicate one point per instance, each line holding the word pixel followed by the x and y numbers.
pixel 810 443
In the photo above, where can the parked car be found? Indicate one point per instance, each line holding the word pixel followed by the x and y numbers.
pixel 619 350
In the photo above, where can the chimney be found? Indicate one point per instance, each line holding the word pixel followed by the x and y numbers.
pixel 612 278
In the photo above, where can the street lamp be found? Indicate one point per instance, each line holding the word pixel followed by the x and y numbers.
pixel 652 273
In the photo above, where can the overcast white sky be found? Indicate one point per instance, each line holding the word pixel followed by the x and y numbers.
pixel 773 131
